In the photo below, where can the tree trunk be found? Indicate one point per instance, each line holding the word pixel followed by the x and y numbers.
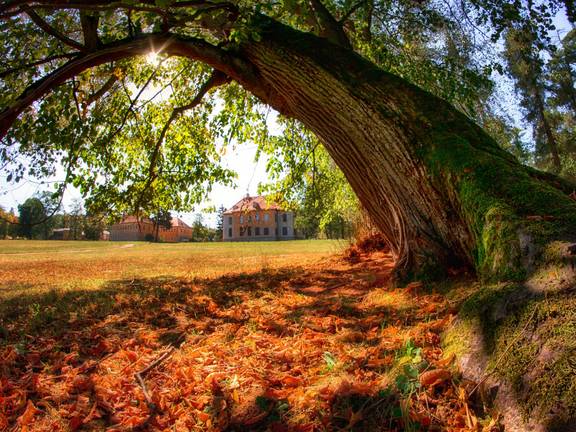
pixel 550 138
pixel 435 183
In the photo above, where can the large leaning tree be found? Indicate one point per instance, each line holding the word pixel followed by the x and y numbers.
pixel 439 188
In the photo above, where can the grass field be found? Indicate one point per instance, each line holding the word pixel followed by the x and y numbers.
pixel 283 337
pixel 32 267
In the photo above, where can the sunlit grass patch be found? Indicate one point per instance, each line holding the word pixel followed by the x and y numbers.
pixel 397 299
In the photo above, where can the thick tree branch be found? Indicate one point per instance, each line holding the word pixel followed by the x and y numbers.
pixel 89 22
pixel 330 28
pixel 40 22
pixel 10 8
pixel 196 49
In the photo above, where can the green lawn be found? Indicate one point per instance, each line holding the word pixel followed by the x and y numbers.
pixel 28 267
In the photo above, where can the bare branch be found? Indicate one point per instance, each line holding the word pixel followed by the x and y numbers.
pixel 169 84
pixel 101 91
pixel 75 97
pixel 10 71
pixel 133 102
pixel 40 22
pixel 216 79
pixel 367 31
pixel 132 111
pixel 351 11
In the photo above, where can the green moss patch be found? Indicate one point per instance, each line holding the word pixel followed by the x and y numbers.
pixel 530 342
pixel 511 214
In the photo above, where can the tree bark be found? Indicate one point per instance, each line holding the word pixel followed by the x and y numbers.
pixel 435 183
pixel 550 138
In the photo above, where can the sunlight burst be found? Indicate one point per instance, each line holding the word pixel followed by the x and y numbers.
pixel 152 58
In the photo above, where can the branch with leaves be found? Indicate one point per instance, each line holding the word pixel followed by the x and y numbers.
pixel 192 48
pixel 216 79
pixel 43 24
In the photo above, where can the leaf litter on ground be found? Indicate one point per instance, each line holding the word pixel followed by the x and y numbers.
pixel 324 347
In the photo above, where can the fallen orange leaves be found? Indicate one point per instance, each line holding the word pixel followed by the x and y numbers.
pixel 434 377
pixel 289 350
pixel 28 415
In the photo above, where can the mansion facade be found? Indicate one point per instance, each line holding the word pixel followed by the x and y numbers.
pixel 252 219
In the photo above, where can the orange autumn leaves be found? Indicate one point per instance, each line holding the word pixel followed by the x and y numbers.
pixel 297 349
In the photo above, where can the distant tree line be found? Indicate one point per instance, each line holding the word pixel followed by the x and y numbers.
pixel 203 233
pixel 8 222
pixel 42 213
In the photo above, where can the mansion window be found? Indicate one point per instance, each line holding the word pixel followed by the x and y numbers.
pixel 241 219
pixel 230 220
pixel 249 231
pixel 284 217
pixel 266 231
pixel 266 217
pixel 229 232
pixel 284 231
pixel 257 231
pixel 257 217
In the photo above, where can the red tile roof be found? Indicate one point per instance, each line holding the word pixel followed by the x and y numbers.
pixel 130 219
pixel 179 222
pixel 249 203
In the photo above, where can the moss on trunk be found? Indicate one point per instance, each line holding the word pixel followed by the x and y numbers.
pixel 521 343
pixel 512 214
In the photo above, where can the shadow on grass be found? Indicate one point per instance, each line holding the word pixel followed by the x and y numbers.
pixel 156 301
pixel 80 321
pixel 348 411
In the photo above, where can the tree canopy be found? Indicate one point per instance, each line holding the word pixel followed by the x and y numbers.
pixel 121 93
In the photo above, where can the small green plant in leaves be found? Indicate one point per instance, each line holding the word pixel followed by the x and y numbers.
pixel 407 381
pixel 330 361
